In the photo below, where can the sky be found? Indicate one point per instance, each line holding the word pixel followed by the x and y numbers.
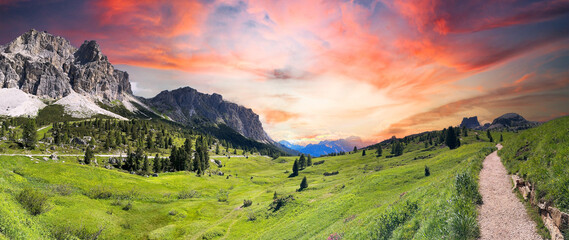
pixel 330 69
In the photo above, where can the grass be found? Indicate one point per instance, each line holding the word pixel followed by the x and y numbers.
pixel 350 204
pixel 540 156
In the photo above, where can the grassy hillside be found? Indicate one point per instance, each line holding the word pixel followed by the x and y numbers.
pixel 541 155
pixel 370 197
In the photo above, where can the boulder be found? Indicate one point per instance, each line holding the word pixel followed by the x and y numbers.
pixel 53 157
pixel 155 174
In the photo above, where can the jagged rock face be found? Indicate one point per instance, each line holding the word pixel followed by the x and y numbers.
pixel 183 104
pixel 50 67
pixel 471 122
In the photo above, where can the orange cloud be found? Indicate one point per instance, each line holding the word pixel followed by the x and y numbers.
pixel 273 116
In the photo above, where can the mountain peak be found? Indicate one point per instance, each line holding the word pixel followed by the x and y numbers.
pixel 470 122
pixel 89 52
pixel 49 67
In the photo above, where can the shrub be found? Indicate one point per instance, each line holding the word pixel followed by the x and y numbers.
pixel 392 219
pixel 331 173
pixel 280 202
pixel 251 216
pixel 188 194
pixel 247 203
pixel 467 188
pixel 128 206
pixel 318 162
pixel 100 192
pixel 63 189
pixel 33 201
pixel 222 195
pixel 427 171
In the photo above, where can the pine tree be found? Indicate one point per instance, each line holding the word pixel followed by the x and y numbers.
pixel 303 184
pixel 489 136
pixel 355 149
pixel 217 149
pixel 29 135
pixel 363 152
pixel 501 138
pixel 309 160
pixel 275 196
pixel 295 169
pixel 157 164
pixel 379 151
pixel 465 131
pixel 302 162
pixel 451 139
pixel 88 155
pixel 146 165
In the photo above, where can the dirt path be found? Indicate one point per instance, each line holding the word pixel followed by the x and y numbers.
pixel 502 215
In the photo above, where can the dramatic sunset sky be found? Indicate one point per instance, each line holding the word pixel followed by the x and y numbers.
pixel 316 70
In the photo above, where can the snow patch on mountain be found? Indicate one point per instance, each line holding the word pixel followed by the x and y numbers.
pixel 16 103
pixel 79 106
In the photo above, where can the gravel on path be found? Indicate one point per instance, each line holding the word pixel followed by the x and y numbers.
pixel 502 215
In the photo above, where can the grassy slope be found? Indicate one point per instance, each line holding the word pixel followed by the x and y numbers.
pixel 541 155
pixel 348 203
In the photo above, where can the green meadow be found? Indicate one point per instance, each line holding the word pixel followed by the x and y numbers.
pixel 370 198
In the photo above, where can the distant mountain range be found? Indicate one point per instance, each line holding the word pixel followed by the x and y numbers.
pixel 326 147
pixel 38 69
pixel 508 121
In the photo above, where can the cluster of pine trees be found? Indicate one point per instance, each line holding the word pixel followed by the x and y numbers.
pixel 301 164
pixel 185 159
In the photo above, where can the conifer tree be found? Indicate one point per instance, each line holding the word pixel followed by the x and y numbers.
pixel 489 136
pixel 157 164
pixel 217 149
pixel 295 168
pixel 88 155
pixel 29 135
pixel 302 162
pixel 303 184
pixel 379 151
pixel 355 149
pixel 309 160
pixel 146 165
pixel 451 139
pixel 501 138
pixel 363 152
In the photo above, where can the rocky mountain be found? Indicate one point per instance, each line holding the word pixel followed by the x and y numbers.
pixel 470 122
pixel 512 121
pixel 326 147
pixel 186 104
pixel 38 69
pixel 49 67
pixel 508 121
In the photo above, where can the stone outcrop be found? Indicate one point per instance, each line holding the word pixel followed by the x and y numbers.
pixel 553 219
pixel 50 67
pixel 185 104
pixel 470 122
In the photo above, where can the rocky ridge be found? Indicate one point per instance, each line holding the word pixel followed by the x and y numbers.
pixel 186 104
pixel 49 67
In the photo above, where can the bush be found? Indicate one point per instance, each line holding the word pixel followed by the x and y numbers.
pixel 63 189
pixel 331 173
pixel 247 203
pixel 467 188
pixel 188 194
pixel 33 201
pixel 318 162
pixel 128 206
pixel 427 171
pixel 280 202
pixel 222 195
pixel 392 219
pixel 100 192
pixel 251 216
